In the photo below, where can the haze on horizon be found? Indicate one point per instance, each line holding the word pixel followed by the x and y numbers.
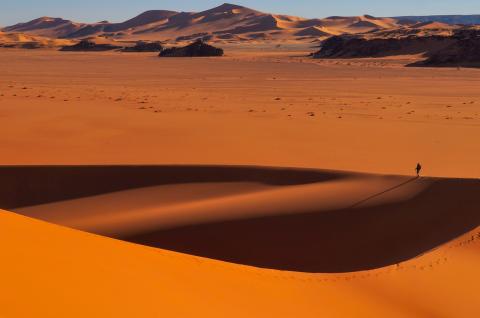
pixel 94 11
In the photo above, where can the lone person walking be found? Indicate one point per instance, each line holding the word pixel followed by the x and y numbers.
pixel 418 169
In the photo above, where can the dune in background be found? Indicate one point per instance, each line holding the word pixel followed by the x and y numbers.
pixel 230 23
pixel 29 41
pixel 225 23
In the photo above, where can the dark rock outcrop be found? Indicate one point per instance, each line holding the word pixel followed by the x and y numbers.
pixel 460 48
pixel 32 45
pixel 87 46
pixel 145 47
pixel 465 52
pixel 359 47
pixel 196 49
pixel 26 45
pixel 8 45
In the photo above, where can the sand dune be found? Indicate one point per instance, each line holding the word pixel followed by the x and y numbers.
pixel 312 31
pixel 22 40
pixel 338 223
pixel 230 23
pixel 75 274
pixel 433 25
pixel 47 26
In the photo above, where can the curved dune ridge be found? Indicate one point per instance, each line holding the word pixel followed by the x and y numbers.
pixel 279 218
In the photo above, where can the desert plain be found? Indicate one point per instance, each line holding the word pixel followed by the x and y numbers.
pixel 260 108
pixel 260 184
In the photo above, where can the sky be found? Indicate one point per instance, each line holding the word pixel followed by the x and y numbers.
pixel 14 11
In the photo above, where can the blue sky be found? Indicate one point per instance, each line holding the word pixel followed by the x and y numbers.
pixel 14 11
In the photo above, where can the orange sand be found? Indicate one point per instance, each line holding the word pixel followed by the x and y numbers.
pixel 370 115
pixel 61 272
pixel 248 108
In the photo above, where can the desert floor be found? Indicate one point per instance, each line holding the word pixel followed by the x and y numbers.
pixel 363 115
pixel 259 184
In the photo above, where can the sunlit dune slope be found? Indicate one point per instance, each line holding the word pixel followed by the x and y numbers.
pixel 22 40
pixel 60 272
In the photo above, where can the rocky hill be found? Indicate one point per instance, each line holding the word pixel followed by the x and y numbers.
pixel 196 49
pixel 460 48
pixel 464 51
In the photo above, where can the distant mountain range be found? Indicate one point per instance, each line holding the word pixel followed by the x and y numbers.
pixel 450 19
pixel 228 22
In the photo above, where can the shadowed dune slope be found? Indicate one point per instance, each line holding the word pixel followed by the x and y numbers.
pixel 298 220
pixel 32 185
pixel 336 240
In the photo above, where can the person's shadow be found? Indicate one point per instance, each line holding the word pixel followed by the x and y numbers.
pixel 384 192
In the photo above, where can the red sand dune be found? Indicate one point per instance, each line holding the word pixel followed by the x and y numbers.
pixel 64 272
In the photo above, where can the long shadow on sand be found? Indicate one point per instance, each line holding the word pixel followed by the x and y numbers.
pixel 376 195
